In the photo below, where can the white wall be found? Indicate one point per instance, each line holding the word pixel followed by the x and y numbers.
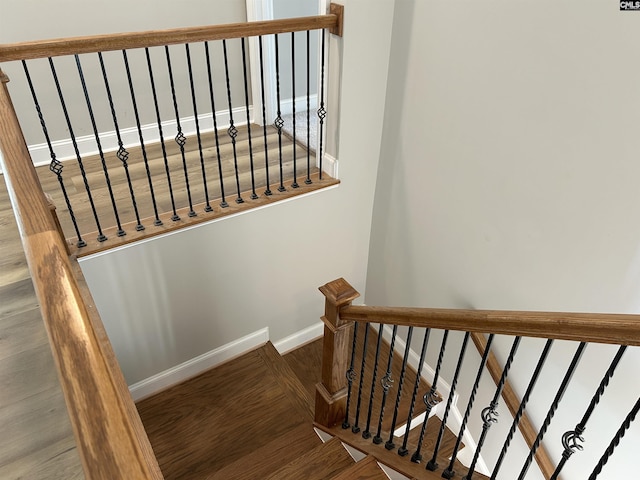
pixel 176 297
pixel 508 168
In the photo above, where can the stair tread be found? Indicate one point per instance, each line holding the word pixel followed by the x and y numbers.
pixel 366 469
pixel 321 463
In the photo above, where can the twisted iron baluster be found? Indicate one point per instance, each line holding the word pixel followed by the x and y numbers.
pixel 430 399
pixel 180 139
pixel 308 179
pixel 254 195
pixel 356 427
pixel 101 236
pixel 389 445
pixel 489 414
pixel 55 166
pixel 322 112
pixel 523 404
pixel 223 201
pixel 571 438
pixel 386 383
pixel 264 119
pixel 403 451
pixel 616 440
pixel 122 153
pixel 157 221
pixel 552 409
pixel 279 122
pixel 208 207
pixel 120 231
pixel 232 131
pixel 293 102
pixel 366 433
pixel 449 472
pixel 351 376
pixel 433 463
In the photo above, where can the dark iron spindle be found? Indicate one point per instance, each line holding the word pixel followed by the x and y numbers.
pixel 279 122
pixel 92 118
pixel 293 104
pixel 308 179
pixel 386 382
pixel 157 221
pixel 433 463
pixel 366 433
pixel 523 404
pixel 389 445
pixel 430 399
pixel 449 472
pixel 254 195
pixel 490 414
pixel 122 153
pixel 101 236
pixel 180 139
pixel 356 423
pixel 175 216
pixel 55 166
pixel 232 131
pixel 616 440
pixel 552 409
pixel 571 439
pixel 322 112
pixel 264 119
pixel 208 207
pixel 223 201
pixel 351 375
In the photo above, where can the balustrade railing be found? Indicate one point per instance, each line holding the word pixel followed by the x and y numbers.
pixel 561 370
pixel 148 132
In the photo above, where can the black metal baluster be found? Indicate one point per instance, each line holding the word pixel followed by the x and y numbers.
pixel 449 472
pixel 157 221
pixel 571 438
pixel 308 179
pixel 523 403
pixel 175 216
pixel 208 207
pixel 389 445
pixel 279 122
pixel 366 433
pixel 293 103
pixel 386 383
pixel 403 451
pixel 433 463
pixel 180 139
pixel 351 376
pixel 55 166
pixel 356 427
pixel 430 399
pixel 264 120
pixel 232 131
pixel 92 118
pixel 489 414
pixel 615 441
pixel 101 236
pixel 122 153
pixel 254 195
pixel 322 112
pixel 552 409
pixel 223 201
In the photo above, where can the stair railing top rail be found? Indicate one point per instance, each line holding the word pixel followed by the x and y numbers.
pixel 154 38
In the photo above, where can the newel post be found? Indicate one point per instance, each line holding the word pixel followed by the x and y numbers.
pixel 331 392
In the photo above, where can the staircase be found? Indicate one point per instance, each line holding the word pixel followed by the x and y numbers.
pixel 252 418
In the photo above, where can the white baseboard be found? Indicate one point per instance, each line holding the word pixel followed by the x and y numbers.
pixel 197 365
pixel 286 105
pixel 329 165
pixel 299 338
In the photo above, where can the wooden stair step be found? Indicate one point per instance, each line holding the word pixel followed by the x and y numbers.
pixel 366 469
pixel 323 462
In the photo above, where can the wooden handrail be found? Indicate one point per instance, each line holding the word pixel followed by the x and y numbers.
pixel 617 329
pixel 109 434
pixel 154 38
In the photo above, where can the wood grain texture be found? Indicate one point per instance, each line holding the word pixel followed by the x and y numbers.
pixel 104 43
pixel 365 469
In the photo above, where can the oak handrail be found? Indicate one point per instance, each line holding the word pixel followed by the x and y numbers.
pixel 155 38
pixel 109 433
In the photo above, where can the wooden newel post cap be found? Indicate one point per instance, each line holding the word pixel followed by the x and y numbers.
pixel 338 293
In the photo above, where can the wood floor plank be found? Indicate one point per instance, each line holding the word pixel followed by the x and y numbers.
pixel 305 362
pixel 366 469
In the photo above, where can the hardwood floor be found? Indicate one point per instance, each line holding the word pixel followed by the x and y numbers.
pixel 36 441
